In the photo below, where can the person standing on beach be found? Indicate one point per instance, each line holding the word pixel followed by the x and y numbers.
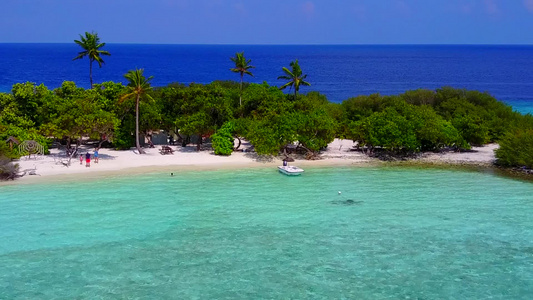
pixel 95 155
pixel 87 159
pixel 81 159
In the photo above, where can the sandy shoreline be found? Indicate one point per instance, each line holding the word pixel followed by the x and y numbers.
pixel 117 163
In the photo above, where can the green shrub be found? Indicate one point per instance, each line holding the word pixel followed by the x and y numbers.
pixel 223 140
pixel 516 149
pixel 123 139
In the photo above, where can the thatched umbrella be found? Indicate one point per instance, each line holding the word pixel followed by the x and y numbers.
pixel 11 140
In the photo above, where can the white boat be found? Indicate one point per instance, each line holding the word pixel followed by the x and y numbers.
pixel 290 170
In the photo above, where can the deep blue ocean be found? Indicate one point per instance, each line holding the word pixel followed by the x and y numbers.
pixel 338 71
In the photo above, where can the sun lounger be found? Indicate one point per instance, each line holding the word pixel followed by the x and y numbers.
pixel 166 150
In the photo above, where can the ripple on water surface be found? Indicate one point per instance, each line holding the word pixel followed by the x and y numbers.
pixel 391 233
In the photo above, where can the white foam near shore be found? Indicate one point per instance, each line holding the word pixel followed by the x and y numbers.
pixel 338 153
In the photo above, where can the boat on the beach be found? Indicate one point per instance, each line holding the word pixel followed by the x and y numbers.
pixel 290 170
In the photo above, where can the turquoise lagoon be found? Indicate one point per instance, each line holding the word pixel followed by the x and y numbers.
pixel 393 233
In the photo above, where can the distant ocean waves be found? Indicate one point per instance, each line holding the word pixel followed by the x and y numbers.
pixel 339 72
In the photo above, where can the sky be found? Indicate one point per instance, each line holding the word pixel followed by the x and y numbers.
pixel 269 21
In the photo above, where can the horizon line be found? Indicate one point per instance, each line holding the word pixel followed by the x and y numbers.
pixel 295 44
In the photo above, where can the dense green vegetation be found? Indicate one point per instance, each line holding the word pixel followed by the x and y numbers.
pixel 415 121
pixel 516 148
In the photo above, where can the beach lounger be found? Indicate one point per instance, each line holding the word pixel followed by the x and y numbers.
pixel 166 150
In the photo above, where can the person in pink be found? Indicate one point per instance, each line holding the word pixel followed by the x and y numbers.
pixel 81 159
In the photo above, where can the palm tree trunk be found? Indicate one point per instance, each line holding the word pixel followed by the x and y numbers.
pixel 199 144
pixel 239 145
pixel 101 142
pixel 91 72
pixel 240 96
pixel 137 126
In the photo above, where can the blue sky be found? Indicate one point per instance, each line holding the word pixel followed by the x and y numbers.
pixel 270 21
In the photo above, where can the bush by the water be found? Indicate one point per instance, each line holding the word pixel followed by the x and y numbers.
pixel 8 170
pixel 516 149
pixel 424 120
pixel 223 140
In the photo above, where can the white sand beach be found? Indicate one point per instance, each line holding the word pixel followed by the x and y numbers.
pixel 338 153
pixel 483 156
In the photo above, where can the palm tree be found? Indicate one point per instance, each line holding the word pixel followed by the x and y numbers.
pixel 241 66
pixel 295 77
pixel 91 47
pixel 137 88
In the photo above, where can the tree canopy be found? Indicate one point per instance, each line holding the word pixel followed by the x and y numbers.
pixel 273 122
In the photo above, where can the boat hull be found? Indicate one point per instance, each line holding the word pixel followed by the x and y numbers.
pixel 290 170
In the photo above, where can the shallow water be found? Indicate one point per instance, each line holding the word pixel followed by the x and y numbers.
pixel 399 233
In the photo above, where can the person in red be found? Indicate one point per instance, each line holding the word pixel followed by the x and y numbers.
pixel 87 159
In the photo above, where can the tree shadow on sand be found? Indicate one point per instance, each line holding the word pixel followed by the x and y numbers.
pixel 193 149
pixel 260 158
pixel 106 157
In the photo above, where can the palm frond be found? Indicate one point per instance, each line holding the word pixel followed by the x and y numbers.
pixel 290 83
pixel 103 52
pixel 91 44
pixel 289 73
pixel 99 60
pixel 295 77
pixel 81 43
pixel 125 97
pixel 80 55
pixel 149 97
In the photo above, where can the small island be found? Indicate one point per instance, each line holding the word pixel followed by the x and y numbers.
pixel 222 116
